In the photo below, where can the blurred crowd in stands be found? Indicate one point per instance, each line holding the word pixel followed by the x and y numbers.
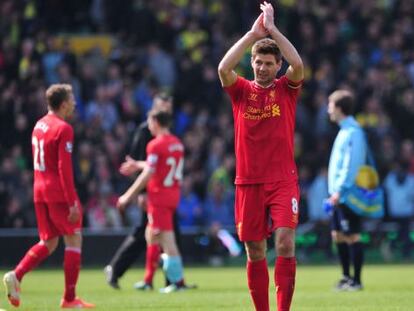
pixel 175 46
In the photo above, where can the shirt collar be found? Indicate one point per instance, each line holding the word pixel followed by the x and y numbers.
pixel 347 122
pixel 263 87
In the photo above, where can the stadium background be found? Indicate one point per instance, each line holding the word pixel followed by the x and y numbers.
pixel 118 54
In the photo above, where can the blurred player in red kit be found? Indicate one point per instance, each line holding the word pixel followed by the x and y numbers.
pixel 162 174
pixel 267 192
pixel 57 206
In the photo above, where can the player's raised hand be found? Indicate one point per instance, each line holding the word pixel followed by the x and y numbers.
pixel 74 213
pixel 268 15
pixel 258 28
pixel 129 167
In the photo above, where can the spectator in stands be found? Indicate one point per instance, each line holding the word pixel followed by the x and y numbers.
pixel 101 209
pixel 399 187
pixel 14 217
pixel 189 210
pixel 317 216
pixel 102 110
pixel 218 209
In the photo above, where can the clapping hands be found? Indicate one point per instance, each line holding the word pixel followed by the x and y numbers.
pixel 268 16
pixel 258 27
pixel 265 22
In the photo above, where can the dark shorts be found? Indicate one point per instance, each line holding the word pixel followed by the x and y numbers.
pixel 345 221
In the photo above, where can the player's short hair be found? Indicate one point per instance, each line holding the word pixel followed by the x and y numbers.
pixel 161 98
pixel 56 94
pixel 163 117
pixel 343 99
pixel 266 46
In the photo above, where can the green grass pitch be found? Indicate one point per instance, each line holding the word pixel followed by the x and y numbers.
pixel 387 288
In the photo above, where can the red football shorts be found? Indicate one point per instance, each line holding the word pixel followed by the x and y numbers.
pixel 262 208
pixel 160 218
pixel 52 220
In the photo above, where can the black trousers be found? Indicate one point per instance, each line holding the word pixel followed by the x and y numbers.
pixel 133 246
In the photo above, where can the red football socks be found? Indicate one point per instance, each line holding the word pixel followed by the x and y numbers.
pixel 285 272
pixel 71 265
pixel 258 282
pixel 33 257
pixel 151 262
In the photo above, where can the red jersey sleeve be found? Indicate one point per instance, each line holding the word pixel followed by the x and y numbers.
pixel 65 147
pixel 292 88
pixel 152 156
pixel 235 90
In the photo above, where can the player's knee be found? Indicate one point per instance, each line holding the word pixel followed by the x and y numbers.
pixel 285 243
pixel 73 240
pixel 152 236
pixel 255 250
pixel 334 236
pixel 51 244
pixel 253 255
pixel 172 250
pixel 285 247
pixel 169 245
pixel 354 238
pixel 338 237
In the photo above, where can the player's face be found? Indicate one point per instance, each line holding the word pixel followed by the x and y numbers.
pixel 164 105
pixel 265 68
pixel 333 112
pixel 70 106
pixel 152 125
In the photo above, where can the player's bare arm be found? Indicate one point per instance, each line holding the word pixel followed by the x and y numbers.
pixel 136 187
pixel 233 56
pixel 289 52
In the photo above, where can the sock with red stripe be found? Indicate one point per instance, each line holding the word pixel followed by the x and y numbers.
pixel 151 262
pixel 285 272
pixel 33 257
pixel 258 282
pixel 71 266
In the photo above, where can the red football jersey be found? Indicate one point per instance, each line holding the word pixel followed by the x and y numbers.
pixel 264 124
pixel 52 144
pixel 165 156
